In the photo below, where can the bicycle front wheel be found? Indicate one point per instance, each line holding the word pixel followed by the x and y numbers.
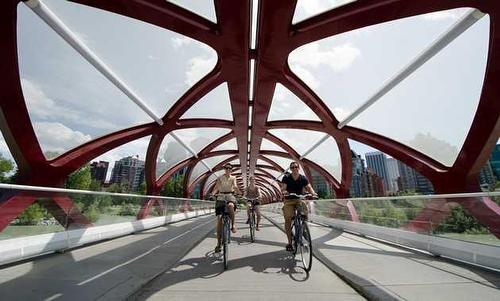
pixel 305 247
pixel 225 242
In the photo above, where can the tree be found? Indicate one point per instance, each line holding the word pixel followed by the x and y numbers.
pixel 173 187
pixel 32 215
pixel 6 166
pixel 80 179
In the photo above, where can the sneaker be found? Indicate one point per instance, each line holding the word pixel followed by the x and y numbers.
pixel 289 248
pixel 217 249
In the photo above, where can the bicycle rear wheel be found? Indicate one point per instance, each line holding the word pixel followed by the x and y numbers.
pixel 306 247
pixel 225 241
pixel 252 226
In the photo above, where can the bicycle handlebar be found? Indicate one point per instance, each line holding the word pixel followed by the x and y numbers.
pixel 301 196
pixel 249 199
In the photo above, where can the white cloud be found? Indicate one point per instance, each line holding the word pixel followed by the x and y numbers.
pixel 306 76
pixel 42 107
pixel 338 58
pixel 179 42
pixel 199 67
pixel 442 15
pixel 312 7
pixel 37 102
pixel 309 8
pixel 57 137
pixel 340 113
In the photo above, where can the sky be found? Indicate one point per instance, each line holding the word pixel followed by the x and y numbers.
pixel 66 95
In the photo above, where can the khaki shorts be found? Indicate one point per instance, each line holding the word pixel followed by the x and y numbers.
pixel 220 204
pixel 289 207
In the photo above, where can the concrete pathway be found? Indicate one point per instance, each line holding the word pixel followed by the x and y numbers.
pixel 257 271
pixel 111 270
pixel 386 272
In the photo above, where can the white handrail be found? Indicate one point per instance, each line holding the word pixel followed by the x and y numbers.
pixel 419 197
pixel 64 190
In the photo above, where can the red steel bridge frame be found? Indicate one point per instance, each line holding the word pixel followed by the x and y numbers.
pixel 277 37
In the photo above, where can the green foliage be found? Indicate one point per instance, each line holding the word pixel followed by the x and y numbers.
pixel 6 166
pixel 128 209
pixel 142 188
pixel 173 188
pixel 460 221
pixel 91 212
pixel 32 215
pixel 323 195
pixel 79 179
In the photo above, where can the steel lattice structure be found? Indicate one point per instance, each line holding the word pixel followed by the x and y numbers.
pixel 277 37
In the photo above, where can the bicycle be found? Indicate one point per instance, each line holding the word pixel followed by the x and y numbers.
pixel 252 223
pixel 225 234
pixel 301 236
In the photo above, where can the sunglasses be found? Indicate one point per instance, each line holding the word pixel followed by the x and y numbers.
pixel 228 167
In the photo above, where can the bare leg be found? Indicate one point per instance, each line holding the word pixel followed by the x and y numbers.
pixel 231 215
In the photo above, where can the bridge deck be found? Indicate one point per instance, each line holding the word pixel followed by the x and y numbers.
pixel 177 262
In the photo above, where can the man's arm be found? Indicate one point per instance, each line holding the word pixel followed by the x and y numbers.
pixel 236 188
pixel 216 187
pixel 310 190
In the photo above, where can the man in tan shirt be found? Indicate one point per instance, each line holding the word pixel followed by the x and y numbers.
pixel 226 187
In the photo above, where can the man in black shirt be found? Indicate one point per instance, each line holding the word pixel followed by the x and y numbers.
pixel 298 184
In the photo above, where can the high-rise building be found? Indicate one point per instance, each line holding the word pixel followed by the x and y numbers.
pixel 487 178
pixel 372 184
pixel 376 161
pixel 407 181
pixel 319 184
pixel 358 171
pixel 393 175
pixel 495 161
pixel 423 185
pixel 98 171
pixel 128 171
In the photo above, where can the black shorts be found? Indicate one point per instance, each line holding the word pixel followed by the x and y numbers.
pixel 220 206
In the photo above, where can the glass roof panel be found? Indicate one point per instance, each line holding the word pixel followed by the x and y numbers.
pixel 346 69
pixel 200 168
pixel 158 64
pixel 287 105
pixel 283 162
pixel 136 149
pixel 204 8
pixel 327 155
pixel 210 179
pixel 64 93
pixel 433 109
pixel 308 8
pixel 198 138
pixel 215 104
pixel 269 145
pixel 228 145
pixel 171 152
pixel 299 140
pixel 273 172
